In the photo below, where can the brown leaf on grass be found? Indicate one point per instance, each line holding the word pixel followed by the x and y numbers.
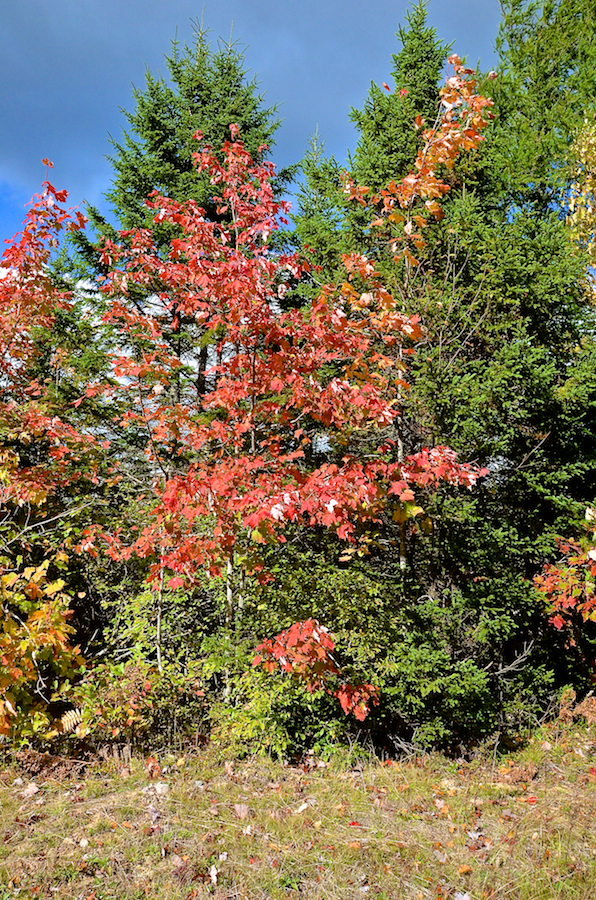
pixel 279 814
pixel 184 870
pixel 587 709
pixel 464 870
pixel 152 767
pixel 29 791
pixel 241 810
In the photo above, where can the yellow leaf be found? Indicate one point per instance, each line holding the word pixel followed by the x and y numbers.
pixel 9 580
pixel 54 587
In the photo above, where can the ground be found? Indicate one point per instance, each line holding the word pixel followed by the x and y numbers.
pixel 521 826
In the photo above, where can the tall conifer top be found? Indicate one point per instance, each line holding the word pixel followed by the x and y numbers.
pixel 388 141
pixel 208 90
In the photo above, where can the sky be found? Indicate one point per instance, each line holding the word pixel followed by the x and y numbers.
pixel 67 68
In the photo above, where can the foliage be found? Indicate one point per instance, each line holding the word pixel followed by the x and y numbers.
pixel 42 455
pixel 234 467
pixel 229 442
pixel 582 209
pixel 569 585
pixel 505 374
pixel 306 650
pixel 36 654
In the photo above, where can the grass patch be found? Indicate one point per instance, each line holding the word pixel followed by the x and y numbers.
pixel 520 827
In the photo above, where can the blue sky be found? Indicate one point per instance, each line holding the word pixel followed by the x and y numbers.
pixel 67 68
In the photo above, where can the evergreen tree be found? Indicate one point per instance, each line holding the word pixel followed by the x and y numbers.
pixel 546 87
pixel 388 143
pixel 207 92
pixel 389 140
pixel 506 375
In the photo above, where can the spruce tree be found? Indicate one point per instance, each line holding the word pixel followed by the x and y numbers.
pixel 388 138
pixel 387 146
pixel 506 376
pixel 207 92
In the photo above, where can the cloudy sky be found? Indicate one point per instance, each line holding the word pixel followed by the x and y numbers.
pixel 67 68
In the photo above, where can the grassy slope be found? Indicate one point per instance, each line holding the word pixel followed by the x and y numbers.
pixel 522 827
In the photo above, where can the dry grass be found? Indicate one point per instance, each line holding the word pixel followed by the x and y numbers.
pixel 522 828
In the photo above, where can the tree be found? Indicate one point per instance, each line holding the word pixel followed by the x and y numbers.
pixel 544 92
pixel 207 91
pixel 41 456
pixel 389 140
pixel 233 463
pixel 506 373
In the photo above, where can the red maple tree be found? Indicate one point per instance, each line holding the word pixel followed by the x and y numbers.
pixel 232 451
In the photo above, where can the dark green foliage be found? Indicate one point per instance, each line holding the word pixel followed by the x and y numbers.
pixel 207 92
pixel 388 143
pixel 459 642
pixel 389 140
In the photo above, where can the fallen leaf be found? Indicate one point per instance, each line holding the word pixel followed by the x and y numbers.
pixel 29 791
pixel 152 767
pixel 464 870
pixel 241 810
